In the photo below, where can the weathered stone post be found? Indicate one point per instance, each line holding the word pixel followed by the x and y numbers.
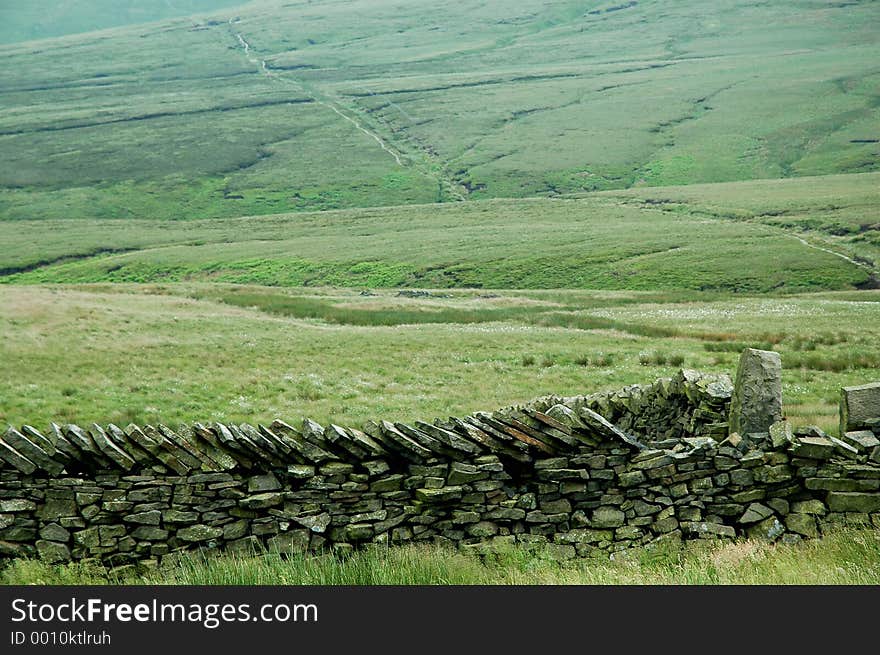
pixel 859 405
pixel 757 396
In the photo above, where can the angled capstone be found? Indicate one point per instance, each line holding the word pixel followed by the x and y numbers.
pixel 858 405
pixel 757 395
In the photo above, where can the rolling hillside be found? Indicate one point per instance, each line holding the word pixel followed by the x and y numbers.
pixel 42 19
pixel 271 107
pixel 736 237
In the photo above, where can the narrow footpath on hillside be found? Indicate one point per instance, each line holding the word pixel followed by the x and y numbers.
pixel 832 252
pixel 449 185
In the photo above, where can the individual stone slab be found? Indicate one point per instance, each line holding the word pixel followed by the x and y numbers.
pixel 442 495
pixel 781 434
pixel 706 528
pixel 501 427
pixel 344 444
pixel 262 501
pixel 387 483
pixel 402 443
pixel 813 506
pixel 198 533
pixel 226 458
pixel 38 438
pixel 151 517
pixel 315 522
pixel 261 483
pixel 607 517
pixel 843 448
pixel 842 501
pixel 54 532
pixel 148 533
pixel 365 441
pixel 802 524
pixel 604 428
pixel 300 471
pixel 487 441
pixel 175 516
pixel 17 505
pixel 841 484
pixel 149 444
pixel 62 445
pixel 858 405
pixel 32 451
pixel 289 542
pixel 52 552
pixel 757 396
pixel 449 438
pixel 861 439
pixel 309 452
pixel 267 446
pixel 313 432
pixel 122 459
pixel 813 447
pixel 83 442
pixel 118 436
pixel 462 473
pixel 55 509
pixel 770 529
pixel 756 512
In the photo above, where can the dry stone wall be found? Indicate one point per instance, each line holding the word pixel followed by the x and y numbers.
pixel 578 475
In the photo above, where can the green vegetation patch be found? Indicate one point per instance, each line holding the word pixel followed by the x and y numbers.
pixel 531 244
pixel 846 556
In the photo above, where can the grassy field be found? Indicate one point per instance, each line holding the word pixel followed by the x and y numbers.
pixel 186 352
pixel 685 240
pixel 361 209
pixel 849 556
pixel 355 103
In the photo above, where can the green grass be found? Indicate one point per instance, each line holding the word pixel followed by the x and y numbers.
pixel 846 556
pixel 186 352
pixel 40 19
pixel 536 243
pixel 173 119
pixel 190 231
pixel 836 211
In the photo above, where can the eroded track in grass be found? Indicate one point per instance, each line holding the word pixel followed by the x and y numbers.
pixel 400 159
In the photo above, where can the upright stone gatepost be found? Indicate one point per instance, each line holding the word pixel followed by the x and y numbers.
pixel 757 396
pixel 858 405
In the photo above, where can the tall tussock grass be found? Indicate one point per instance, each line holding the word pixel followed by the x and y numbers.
pixel 843 557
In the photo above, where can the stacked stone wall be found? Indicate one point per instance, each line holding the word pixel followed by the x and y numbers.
pixel 579 476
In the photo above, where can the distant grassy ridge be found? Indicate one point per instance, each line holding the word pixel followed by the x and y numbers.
pixel 597 243
pixel 477 100
pixel 842 209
